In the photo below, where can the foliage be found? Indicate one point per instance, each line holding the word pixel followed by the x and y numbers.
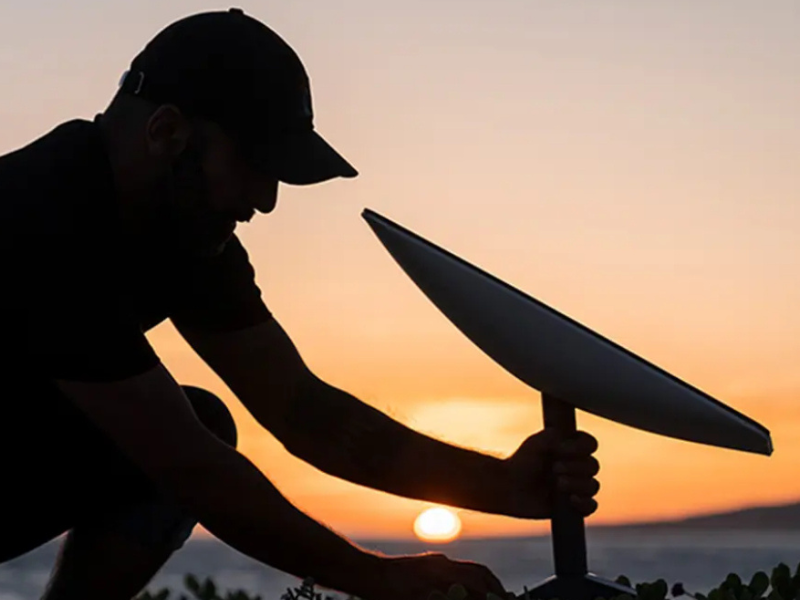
pixel 207 590
pixel 781 585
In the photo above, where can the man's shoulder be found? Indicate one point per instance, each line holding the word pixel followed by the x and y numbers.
pixel 54 170
pixel 62 146
pixel 50 194
pixel 219 293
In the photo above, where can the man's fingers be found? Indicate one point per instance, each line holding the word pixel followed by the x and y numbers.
pixel 578 487
pixel 491 582
pixel 494 584
pixel 584 506
pixel 479 579
pixel 579 444
pixel 588 466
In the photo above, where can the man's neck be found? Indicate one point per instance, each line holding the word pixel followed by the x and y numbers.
pixel 132 190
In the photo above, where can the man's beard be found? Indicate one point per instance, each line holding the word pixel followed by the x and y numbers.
pixel 182 220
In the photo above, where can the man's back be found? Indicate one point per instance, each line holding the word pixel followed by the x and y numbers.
pixel 55 193
pixel 81 287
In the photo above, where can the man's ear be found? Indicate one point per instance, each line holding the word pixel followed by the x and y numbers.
pixel 167 132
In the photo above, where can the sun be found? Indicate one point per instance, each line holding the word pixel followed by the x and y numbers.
pixel 437 524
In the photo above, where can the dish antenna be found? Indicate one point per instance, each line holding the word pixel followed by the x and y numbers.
pixel 573 367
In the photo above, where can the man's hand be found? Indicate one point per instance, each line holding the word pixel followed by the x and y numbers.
pixel 547 463
pixel 417 577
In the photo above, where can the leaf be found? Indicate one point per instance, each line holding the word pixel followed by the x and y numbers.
pixel 781 572
pixel 660 589
pixel 734 583
pixel 677 590
pixel 191 583
pixel 652 591
pixel 782 581
pixel 622 580
pixel 209 590
pixel 759 584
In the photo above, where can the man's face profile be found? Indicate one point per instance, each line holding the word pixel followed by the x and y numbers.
pixel 207 188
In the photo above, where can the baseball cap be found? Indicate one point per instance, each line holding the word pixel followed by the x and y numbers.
pixel 230 68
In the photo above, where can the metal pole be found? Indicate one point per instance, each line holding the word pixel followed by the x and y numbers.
pixel 566 525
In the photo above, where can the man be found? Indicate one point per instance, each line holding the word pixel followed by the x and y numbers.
pixel 111 226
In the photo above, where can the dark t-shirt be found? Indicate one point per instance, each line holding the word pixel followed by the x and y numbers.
pixel 78 298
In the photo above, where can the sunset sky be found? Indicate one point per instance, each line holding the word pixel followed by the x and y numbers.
pixel 632 164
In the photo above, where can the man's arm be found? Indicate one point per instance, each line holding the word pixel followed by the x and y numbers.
pixel 341 435
pixel 152 422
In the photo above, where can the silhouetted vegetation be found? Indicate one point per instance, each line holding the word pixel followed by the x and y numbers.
pixel 781 585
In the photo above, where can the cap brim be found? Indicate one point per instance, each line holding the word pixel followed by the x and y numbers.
pixel 306 158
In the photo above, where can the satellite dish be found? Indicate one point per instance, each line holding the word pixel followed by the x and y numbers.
pixel 573 367
pixel 558 356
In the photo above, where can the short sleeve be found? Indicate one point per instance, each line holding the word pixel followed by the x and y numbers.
pixel 219 293
pixel 77 325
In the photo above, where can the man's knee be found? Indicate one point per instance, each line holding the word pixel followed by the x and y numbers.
pixel 213 413
pixel 158 523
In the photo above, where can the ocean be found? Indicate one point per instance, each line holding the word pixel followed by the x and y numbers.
pixel 698 559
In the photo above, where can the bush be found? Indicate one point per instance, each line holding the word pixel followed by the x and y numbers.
pixel 781 585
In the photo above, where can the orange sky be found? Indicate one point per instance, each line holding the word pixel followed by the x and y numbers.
pixel 631 164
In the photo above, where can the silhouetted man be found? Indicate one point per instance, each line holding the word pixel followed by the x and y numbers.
pixel 111 226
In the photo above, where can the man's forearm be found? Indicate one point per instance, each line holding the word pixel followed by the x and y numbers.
pixel 234 501
pixel 347 438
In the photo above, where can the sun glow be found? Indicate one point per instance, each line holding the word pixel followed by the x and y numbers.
pixel 437 525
